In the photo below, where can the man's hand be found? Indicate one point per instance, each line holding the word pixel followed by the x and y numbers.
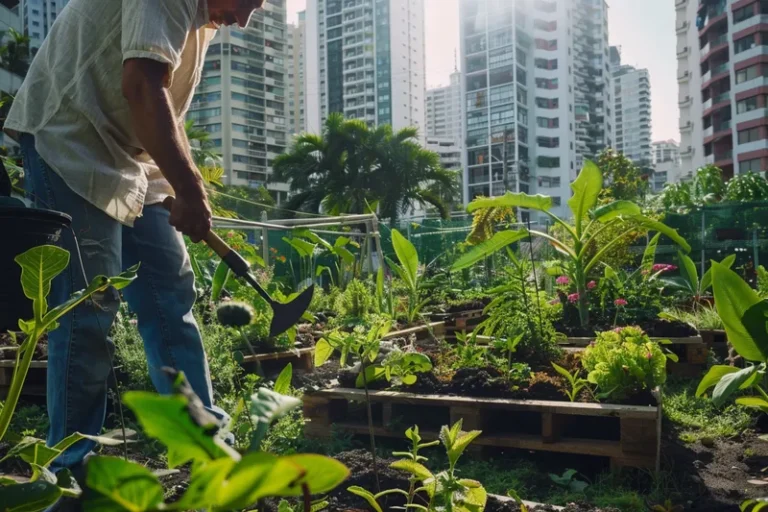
pixel 191 214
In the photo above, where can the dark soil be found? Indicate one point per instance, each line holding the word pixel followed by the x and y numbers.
pixel 656 328
pixel 8 347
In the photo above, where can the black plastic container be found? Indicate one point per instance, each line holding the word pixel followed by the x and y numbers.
pixel 20 230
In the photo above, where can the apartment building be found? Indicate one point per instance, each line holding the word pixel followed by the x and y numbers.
pixel 666 164
pixel 241 99
pixel 723 73
pixel 537 94
pixel 295 80
pixel 632 110
pixel 449 151
pixel 365 59
pixel 444 107
pixel 37 17
pixel 9 82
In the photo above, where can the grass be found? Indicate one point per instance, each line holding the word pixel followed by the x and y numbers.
pixel 697 418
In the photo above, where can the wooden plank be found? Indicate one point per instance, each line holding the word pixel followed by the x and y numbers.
pixel 414 330
pixel 571 408
pixel 318 411
pixel 584 341
pixel 551 427
pixel 696 353
pixel 270 356
pixel 11 363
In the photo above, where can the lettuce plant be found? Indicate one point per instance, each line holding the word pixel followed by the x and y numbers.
pixel 624 362
pixel 578 247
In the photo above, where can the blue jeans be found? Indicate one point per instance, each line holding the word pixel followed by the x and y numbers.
pixel 79 352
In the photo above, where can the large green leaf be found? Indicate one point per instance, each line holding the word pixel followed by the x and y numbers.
pixel 494 244
pixel 320 473
pixel 616 209
pixel 654 225
pixel 649 254
pixel 204 488
pixel 304 248
pixel 743 312
pixel 689 272
pixel 323 351
pixel 416 469
pixel 345 255
pixel 586 189
pixel 713 376
pixel 35 451
pixel 706 279
pixel 116 485
pixel 283 381
pixel 267 406
pixel 220 278
pixel 39 266
pixel 28 497
pixel 258 475
pixel 166 418
pixel 474 497
pixel 407 256
pixel 512 200
pixel 312 237
pixel 731 383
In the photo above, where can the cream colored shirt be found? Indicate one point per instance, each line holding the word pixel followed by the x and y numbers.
pixel 72 101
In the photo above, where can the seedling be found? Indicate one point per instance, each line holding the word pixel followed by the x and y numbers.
pixel 575 382
pixel 569 481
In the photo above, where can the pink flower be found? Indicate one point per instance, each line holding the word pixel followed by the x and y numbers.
pixel 573 298
pixel 591 285
pixel 618 330
pixel 562 280
pixel 663 267
pixel 620 302
pixel 671 268
pixel 649 355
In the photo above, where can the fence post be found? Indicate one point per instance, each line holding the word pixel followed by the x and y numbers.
pixel 264 240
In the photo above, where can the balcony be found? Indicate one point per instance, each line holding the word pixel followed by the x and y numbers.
pixel 688 151
pixel 708 159
pixel 685 102
pixel 708 132
pixel 681 4
pixel 681 28
pixel 683 77
pixel 686 127
pixel 682 54
pixel 724 157
pixel 723 97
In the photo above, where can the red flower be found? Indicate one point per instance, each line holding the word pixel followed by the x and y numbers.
pixel 562 280
pixel 573 298
pixel 591 285
pixel 620 302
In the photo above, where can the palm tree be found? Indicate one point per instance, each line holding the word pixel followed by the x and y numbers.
pixel 14 52
pixel 203 150
pixel 350 168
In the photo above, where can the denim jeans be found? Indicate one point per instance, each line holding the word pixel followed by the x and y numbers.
pixel 79 352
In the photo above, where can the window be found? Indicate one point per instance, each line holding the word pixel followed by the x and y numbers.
pixel 548 142
pixel 549 162
pixel 548 103
pixel 746 74
pixel 743 14
pixel 750 135
pixel 746 105
pixel 545 122
pixel 549 182
pixel 744 44
pixel 544 44
pixel 546 63
pixel 547 83
pixel 754 165
pixel 548 26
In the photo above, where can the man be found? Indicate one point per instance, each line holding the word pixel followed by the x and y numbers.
pixel 100 122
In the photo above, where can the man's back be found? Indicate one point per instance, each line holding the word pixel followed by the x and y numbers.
pixel 72 100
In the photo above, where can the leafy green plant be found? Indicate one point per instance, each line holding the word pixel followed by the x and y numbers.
pixel 408 271
pixel 401 366
pixel 575 247
pixel 702 318
pixel 575 382
pixel 355 304
pixel 339 251
pixel 624 362
pixel 667 506
pixel 39 266
pixel 569 481
pixel 507 347
pixel 445 490
pixel 689 276
pixel 467 352
pixel 315 506
pixel 221 478
pixel 743 313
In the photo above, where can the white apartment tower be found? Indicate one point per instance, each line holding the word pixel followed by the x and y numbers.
pixel 666 164
pixel 365 59
pixel 295 64
pixel 444 107
pixel 37 17
pixel 537 94
pixel 722 52
pixel 241 99
pixel 632 110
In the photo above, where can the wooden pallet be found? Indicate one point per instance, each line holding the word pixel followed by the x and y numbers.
pixel 302 359
pixel 465 321
pixel 422 332
pixel 627 435
pixel 34 385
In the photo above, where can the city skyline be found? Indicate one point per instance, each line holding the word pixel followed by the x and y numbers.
pixel 644 31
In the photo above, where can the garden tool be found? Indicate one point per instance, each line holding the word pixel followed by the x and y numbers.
pixel 285 315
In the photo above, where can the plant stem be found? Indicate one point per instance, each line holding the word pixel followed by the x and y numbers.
pixel 17 382
pixel 307 497
pixel 370 425
pixel 535 280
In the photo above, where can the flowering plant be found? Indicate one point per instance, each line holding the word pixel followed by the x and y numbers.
pixel 624 362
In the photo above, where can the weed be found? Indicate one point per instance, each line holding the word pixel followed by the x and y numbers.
pixel 30 420
pixel 696 418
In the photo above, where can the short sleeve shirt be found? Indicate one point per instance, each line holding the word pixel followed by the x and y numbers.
pixel 72 101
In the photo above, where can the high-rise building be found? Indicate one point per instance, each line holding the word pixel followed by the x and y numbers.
pixel 632 110
pixel 9 82
pixel 666 164
pixel 365 59
pixel 241 99
pixel 296 82
pixel 37 17
pixel 722 53
pixel 444 108
pixel 537 94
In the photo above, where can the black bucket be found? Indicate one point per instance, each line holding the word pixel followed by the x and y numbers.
pixel 22 229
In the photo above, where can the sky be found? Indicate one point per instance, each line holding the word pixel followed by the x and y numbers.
pixel 645 31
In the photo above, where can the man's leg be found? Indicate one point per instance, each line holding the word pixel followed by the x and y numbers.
pixel 162 297
pixel 79 352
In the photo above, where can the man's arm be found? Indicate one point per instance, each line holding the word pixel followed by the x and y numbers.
pixel 157 128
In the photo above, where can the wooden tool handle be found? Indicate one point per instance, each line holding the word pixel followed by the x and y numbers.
pixel 213 240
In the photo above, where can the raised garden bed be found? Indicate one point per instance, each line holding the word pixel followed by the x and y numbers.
pixel 301 359
pixel 35 383
pixel 422 332
pixel 464 321
pixel 628 435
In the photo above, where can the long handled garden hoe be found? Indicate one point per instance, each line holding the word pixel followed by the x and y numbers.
pixel 285 315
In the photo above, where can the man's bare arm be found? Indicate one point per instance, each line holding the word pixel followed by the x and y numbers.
pixel 158 130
